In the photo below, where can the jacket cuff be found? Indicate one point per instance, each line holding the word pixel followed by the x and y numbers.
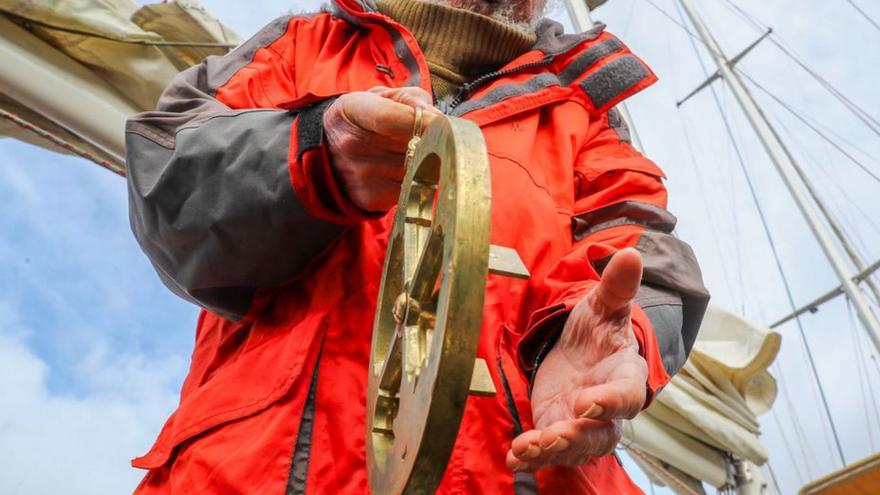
pixel 311 172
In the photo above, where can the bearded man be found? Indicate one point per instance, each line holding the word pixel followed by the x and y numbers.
pixel 260 190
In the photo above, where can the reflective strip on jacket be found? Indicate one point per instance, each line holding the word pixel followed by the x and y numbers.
pixel 233 200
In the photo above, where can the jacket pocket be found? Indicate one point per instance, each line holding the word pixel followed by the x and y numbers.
pixel 258 372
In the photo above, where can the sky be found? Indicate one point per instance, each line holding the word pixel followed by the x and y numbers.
pixel 93 349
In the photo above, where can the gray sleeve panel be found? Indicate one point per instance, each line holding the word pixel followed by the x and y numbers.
pixel 216 214
pixel 672 283
pixel 664 310
pixel 211 202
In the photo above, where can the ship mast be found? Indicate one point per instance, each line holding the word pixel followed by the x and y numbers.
pixel 792 176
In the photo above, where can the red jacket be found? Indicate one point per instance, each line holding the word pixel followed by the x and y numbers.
pixel 233 200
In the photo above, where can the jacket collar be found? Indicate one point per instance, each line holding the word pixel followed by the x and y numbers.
pixel 571 64
pixel 552 40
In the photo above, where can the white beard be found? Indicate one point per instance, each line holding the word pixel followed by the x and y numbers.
pixel 505 15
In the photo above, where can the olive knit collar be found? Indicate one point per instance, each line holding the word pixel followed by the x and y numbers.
pixel 459 45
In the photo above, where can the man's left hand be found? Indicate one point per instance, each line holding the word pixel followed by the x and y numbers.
pixel 591 380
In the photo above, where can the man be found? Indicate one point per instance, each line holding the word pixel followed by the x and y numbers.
pixel 260 190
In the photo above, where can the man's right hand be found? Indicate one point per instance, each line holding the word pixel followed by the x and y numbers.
pixel 367 133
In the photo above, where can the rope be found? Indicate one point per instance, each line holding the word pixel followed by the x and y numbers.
pixel 774 251
pixel 670 478
pixel 116 168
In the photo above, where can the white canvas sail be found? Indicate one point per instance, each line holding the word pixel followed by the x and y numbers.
pixel 79 68
pixel 710 408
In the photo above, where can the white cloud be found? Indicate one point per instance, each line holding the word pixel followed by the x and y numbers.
pixel 79 442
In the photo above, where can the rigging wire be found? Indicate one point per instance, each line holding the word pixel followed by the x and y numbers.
pixel 814 128
pixel 841 214
pixel 773 477
pixel 831 179
pixel 707 206
pixel 731 144
pixel 872 123
pixel 682 26
pixel 798 433
pixel 864 14
pixel 776 256
pixel 629 18
pixel 861 369
pixel 742 14
pixel 847 228
pixel 864 344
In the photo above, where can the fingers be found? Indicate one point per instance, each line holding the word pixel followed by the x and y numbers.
pixel 622 398
pixel 410 95
pixel 620 280
pixel 524 448
pixel 375 114
pixel 367 134
pixel 566 443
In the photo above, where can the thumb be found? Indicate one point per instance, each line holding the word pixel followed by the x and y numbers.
pixel 620 280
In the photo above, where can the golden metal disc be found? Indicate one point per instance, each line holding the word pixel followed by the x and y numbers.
pixel 429 312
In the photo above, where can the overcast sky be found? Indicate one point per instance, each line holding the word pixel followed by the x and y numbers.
pixel 93 349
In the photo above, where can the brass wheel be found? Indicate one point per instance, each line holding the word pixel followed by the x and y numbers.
pixel 429 312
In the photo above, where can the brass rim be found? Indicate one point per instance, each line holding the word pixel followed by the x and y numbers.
pixel 428 317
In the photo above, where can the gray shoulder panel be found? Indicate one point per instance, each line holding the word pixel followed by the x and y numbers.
pixel 221 69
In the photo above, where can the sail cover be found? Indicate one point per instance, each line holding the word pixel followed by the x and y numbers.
pixel 77 69
pixel 709 410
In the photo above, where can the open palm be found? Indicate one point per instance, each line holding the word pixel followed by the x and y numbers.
pixel 592 378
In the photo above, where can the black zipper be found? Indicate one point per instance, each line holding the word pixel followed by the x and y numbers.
pixel 468 89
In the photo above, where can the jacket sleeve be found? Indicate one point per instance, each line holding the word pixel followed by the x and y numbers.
pixel 228 194
pixel 620 201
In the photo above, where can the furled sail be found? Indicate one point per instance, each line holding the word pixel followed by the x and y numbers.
pixel 708 412
pixel 78 68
